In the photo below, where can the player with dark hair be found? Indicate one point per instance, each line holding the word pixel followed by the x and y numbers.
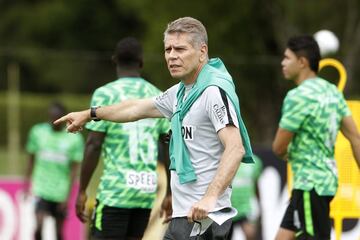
pixel 312 115
pixel 128 184
pixel 54 157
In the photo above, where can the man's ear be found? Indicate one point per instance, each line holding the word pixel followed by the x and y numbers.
pixel 204 52
pixel 304 62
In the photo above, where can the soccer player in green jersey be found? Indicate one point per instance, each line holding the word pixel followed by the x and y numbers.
pixel 54 157
pixel 128 184
pixel 245 198
pixel 312 115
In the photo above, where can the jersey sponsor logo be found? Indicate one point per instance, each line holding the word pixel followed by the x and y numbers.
pixel 144 181
pixel 188 132
pixel 219 112
pixel 52 156
pixel 162 97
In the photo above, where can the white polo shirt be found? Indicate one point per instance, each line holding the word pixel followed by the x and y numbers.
pixel 211 112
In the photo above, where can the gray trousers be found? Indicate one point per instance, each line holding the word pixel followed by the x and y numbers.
pixel 180 229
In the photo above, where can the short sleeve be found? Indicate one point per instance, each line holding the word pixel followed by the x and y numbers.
pixel 165 102
pixel 31 144
pixel 219 108
pixel 294 111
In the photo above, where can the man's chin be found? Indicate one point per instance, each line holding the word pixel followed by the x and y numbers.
pixel 176 75
pixel 287 77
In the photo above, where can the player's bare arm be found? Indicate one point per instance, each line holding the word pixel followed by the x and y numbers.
pixel 281 142
pixel 126 111
pixel 350 131
pixel 229 163
pixel 91 158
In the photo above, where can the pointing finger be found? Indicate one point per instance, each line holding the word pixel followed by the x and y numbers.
pixel 60 120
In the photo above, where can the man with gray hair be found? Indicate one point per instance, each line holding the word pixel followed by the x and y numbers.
pixel 208 140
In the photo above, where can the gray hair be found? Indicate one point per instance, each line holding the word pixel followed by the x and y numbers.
pixel 191 26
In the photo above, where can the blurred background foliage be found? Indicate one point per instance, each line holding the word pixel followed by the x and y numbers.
pixel 63 48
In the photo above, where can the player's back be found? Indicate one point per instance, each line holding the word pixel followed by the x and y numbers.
pixel 129 149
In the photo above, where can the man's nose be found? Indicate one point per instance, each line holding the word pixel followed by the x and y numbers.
pixel 173 54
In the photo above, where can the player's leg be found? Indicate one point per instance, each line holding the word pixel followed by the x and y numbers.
pixel 41 211
pixel 320 211
pixel 235 224
pixel 59 228
pixel 109 223
pixel 290 225
pixel 307 217
pixel 139 218
pixel 59 213
pixel 249 229
pixel 39 225
pixel 285 234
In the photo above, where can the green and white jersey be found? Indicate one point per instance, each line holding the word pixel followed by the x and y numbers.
pixel 54 151
pixel 130 150
pixel 313 112
pixel 243 196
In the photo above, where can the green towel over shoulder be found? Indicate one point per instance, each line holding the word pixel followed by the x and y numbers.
pixel 213 73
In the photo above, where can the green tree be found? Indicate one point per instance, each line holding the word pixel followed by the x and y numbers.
pixel 65 46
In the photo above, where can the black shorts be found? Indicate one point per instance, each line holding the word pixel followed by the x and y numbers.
pixel 179 229
pixel 118 223
pixel 308 215
pixel 49 207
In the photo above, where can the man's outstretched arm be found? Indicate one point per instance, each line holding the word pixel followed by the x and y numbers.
pixel 126 111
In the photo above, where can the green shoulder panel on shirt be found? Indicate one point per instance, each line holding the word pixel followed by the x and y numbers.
pixel 129 150
pixel 313 111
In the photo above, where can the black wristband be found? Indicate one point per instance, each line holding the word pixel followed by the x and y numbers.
pixel 93 113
